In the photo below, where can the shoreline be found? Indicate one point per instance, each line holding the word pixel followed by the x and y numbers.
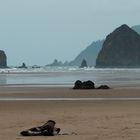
pixel 115 78
pixel 70 99
pixel 70 85
pixel 65 92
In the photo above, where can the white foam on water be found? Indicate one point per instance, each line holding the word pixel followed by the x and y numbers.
pixel 62 76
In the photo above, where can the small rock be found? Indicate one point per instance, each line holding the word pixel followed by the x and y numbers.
pixel 103 87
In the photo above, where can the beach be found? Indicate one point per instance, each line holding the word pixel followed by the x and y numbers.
pixel 76 63
pixel 89 120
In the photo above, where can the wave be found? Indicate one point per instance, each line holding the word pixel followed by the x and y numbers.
pixel 65 69
pixel 68 75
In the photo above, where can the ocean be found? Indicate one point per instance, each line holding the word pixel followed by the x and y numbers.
pixel 66 76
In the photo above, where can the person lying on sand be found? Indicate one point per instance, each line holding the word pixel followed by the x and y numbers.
pixel 48 129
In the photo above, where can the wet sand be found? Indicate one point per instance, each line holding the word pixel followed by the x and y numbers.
pixel 90 120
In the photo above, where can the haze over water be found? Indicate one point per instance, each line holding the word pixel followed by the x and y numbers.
pixel 38 31
pixel 66 76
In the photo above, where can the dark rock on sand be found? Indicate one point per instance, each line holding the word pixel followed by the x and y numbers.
pixel 103 87
pixel 84 85
pixel 88 85
pixel 78 85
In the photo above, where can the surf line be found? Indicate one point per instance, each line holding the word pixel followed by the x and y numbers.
pixel 70 99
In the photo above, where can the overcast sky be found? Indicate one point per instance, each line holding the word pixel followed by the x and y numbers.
pixel 38 31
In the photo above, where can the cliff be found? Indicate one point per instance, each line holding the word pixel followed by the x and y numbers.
pixel 136 28
pixel 120 49
pixel 89 54
pixel 56 63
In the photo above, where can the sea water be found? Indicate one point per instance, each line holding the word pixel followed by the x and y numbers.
pixel 66 76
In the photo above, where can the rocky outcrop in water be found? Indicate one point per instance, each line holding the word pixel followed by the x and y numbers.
pixel 56 63
pixel 120 49
pixel 3 59
pixel 23 66
pixel 84 64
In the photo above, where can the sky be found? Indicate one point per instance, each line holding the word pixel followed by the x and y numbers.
pixel 38 31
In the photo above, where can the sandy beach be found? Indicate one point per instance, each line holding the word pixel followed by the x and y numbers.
pixel 89 120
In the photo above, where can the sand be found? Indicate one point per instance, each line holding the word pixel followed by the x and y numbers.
pixel 90 120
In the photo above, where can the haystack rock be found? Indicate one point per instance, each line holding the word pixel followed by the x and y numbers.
pixel 121 49
pixel 3 59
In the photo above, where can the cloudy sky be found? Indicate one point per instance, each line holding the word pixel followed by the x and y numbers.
pixel 38 31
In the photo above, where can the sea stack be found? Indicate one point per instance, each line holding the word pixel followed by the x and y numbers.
pixel 84 64
pixel 121 49
pixel 3 59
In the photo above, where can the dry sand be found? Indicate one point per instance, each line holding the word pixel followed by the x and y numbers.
pixel 90 120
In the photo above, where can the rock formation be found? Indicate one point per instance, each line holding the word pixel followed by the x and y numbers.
pixel 23 66
pixel 3 59
pixel 56 63
pixel 90 54
pixel 83 64
pixel 84 85
pixel 88 85
pixel 103 87
pixel 136 28
pixel 120 49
